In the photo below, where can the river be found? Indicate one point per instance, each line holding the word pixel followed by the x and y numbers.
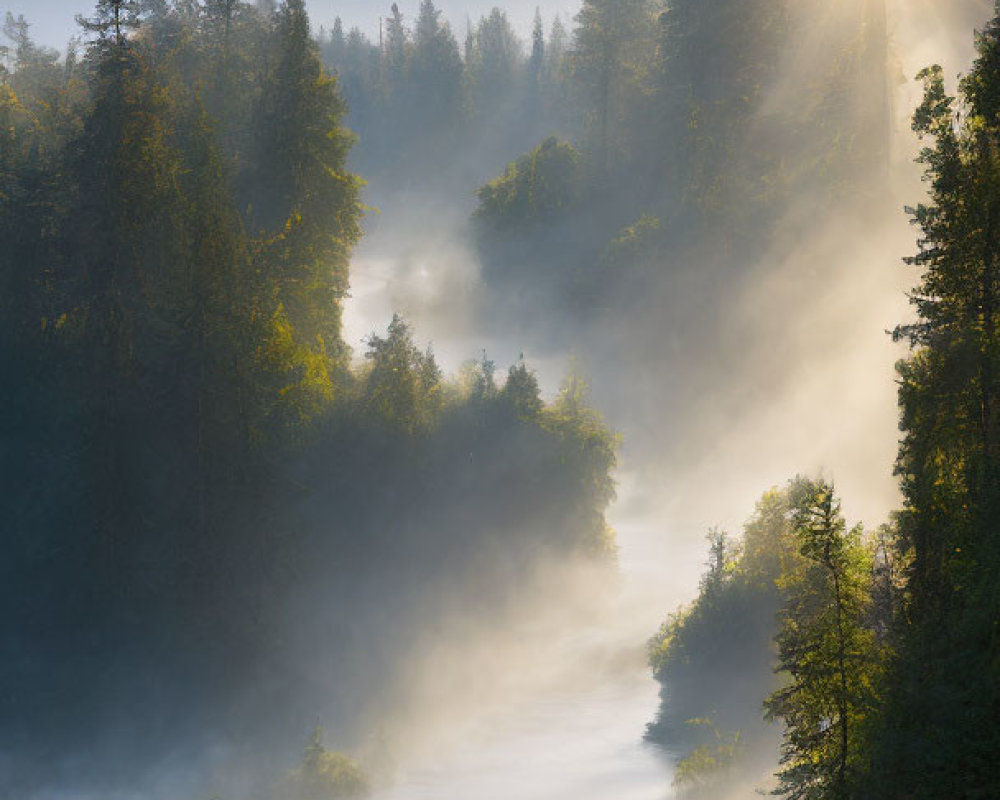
pixel 567 722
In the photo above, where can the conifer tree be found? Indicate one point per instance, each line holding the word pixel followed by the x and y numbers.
pixel 435 75
pixel 221 15
pixel 938 736
pixel 112 20
pixel 825 650
pixel 336 44
pixel 536 61
pixel 402 387
pixel 607 53
pixel 521 391
pixel 306 205
pixel 395 53
pixel 495 60
pixel 557 45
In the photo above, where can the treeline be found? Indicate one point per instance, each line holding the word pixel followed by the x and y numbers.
pixel 428 106
pixel 213 514
pixel 888 641
pixel 799 594
pixel 695 127
pixel 657 140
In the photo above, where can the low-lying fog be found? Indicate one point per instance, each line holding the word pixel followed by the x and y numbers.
pixel 719 392
pixel 812 390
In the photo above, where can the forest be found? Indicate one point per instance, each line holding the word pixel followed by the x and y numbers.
pixel 235 544
pixel 207 492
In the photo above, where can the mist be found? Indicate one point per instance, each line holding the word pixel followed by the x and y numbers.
pixel 408 524
pixel 720 391
pixel 711 414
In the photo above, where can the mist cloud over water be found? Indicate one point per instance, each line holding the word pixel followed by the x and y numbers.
pixel 456 657
pixel 800 374
pixel 797 377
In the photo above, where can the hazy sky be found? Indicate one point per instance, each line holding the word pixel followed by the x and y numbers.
pixel 52 20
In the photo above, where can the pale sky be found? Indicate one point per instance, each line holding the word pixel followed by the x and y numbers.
pixel 52 20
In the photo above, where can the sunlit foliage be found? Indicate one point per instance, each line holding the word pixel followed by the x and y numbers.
pixel 937 736
pixel 800 578
pixel 714 658
pixel 324 775
pixel 537 187
pixel 827 652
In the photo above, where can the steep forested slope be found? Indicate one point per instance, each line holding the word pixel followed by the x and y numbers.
pixel 218 523
pixel 884 643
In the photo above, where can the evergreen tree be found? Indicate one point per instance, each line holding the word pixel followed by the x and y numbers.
pixel 557 45
pixel 494 64
pixel 211 309
pixel 337 43
pixel 190 460
pixel 521 392
pixel 402 385
pixel 826 651
pixel 395 53
pixel 608 55
pixel 558 91
pixel 536 62
pixel 937 737
pixel 26 53
pixel 222 17
pixel 435 80
pixel 112 20
pixel 305 204
pixel 714 659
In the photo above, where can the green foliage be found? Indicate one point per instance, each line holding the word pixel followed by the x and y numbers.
pixel 589 448
pixel 416 96
pixel 306 204
pixel 769 549
pixel 188 451
pixel 887 643
pixel 435 69
pixel 684 113
pixel 714 658
pixel 520 391
pixel 799 578
pixel 325 775
pixel 402 386
pixel 295 378
pixel 707 764
pixel 112 19
pixel 628 264
pixel 826 650
pixel 493 58
pixel 612 52
pixel 539 186
pixel 633 242
pixel 936 735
